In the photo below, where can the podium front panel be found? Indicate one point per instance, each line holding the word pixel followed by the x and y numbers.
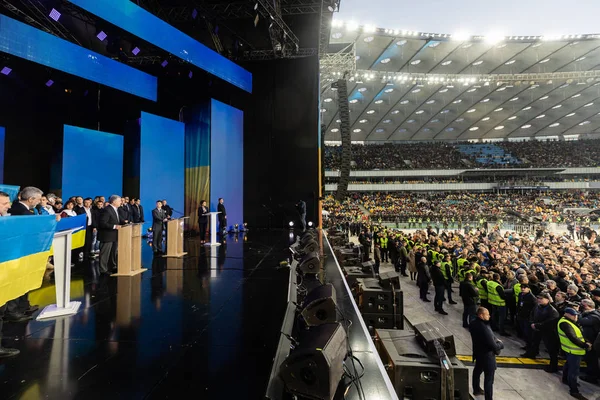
pixel 124 249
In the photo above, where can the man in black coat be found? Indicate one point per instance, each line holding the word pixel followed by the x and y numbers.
pixel 470 296
pixel 590 328
pixel 108 227
pixel 525 305
pixel 222 216
pixel 203 220
pixel 423 278
pixel 140 210
pixel 485 349
pixel 544 318
pixel 439 283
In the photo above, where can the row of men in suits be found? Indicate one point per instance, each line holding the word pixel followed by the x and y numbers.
pixel 203 218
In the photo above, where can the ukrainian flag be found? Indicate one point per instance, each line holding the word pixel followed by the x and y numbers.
pixel 25 243
pixel 79 223
pixel 11 191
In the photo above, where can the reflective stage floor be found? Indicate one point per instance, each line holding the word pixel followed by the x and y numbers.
pixel 205 326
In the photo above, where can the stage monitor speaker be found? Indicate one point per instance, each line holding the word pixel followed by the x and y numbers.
pixel 367 267
pixel 310 263
pixel 383 321
pixel 315 367
pixel 414 373
pixel 389 279
pixel 310 246
pixel 320 306
pixel 429 332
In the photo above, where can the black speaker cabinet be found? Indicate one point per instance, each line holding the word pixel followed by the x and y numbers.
pixel 320 306
pixel 354 273
pixel 310 263
pixel 389 279
pixel 383 321
pixel 310 246
pixel 429 332
pixel 315 367
pixel 372 298
pixel 415 374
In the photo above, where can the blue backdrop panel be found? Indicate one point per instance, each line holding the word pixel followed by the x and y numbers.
pixel 162 163
pixel 132 18
pixel 2 135
pixel 227 160
pixel 26 42
pixel 92 163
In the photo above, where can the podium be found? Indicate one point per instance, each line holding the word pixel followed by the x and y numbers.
pixel 175 238
pixel 213 229
pixel 62 276
pixel 129 251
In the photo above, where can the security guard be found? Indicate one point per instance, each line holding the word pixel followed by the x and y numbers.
pixel 383 243
pixel 482 286
pixel 447 272
pixel 496 298
pixel 574 346
pixel 485 349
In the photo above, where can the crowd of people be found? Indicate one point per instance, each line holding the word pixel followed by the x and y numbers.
pixel 543 288
pixel 435 155
pixel 447 208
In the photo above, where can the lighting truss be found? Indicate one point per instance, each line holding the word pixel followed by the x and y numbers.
pixel 336 65
pixel 282 37
pixel 253 55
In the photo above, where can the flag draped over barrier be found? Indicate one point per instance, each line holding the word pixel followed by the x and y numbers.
pixel 25 243
pixel 79 223
pixel 11 191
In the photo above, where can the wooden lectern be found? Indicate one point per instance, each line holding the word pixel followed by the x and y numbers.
pixel 175 238
pixel 129 251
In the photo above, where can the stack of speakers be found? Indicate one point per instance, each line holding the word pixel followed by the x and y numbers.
pixel 315 365
pixel 415 372
pixel 381 303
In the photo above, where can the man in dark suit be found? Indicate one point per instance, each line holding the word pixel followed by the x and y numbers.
pixel 485 349
pixel 140 210
pixel 108 228
pixel 124 213
pixel 222 216
pixel 134 212
pixel 202 220
pixel 167 209
pixel 159 218
pixel 79 206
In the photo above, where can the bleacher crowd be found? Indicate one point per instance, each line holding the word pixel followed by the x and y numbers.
pixel 525 154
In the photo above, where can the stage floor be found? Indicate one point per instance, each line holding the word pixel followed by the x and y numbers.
pixel 207 325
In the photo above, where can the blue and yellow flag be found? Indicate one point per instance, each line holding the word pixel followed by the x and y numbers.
pixel 25 243
pixel 11 191
pixel 79 222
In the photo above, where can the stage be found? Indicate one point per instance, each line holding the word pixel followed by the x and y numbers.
pixel 208 324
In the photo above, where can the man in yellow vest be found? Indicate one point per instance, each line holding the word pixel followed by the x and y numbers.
pixel 383 242
pixel 497 299
pixel 574 346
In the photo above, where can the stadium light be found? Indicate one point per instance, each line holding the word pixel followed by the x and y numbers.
pixel 460 36
pixel 493 38
pixel 291 224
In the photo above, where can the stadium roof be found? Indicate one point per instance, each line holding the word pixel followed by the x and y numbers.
pixel 428 86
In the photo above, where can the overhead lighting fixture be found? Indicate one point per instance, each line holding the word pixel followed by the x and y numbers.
pixel 498 109
pixel 581 58
pixel 589 104
pixel 357 130
pixel 513 117
pixel 378 101
pixel 514 99
pixel 416 90
pixel 351 26
pixel 434 121
pixel 557 106
pixel 395 112
pixel 576 95
pixel 430 102
pixel 353 101
pixel 485 119
pixel 457 101
pixel 554 125
pixel 544 61
pixel 474 128
pixel 544 97
pixel 328 100
pixel 510 62
pixel 387 121
pixel 415 62
pixel 50 82
pixel 101 36
pixel 493 38
pixel 390 90
pixel 471 90
pixel 460 36
pixel 371 112
pixel 135 51
pixel 460 119
pixel 499 127
pixel 379 130
pixel 447 62
pixel 472 110
pixel 449 129
pixel 419 112
pixel 570 115
pixel 478 62
pixel 467 45
pixel 444 111
pixel 363 121
pixel 323 110
pixel 403 102
pixel 402 130
pixel 362 89
pixel 411 121
pixel 368 39
pixel 54 14
pixel 485 100
pixel 584 123
pixel 401 42
pixel 540 116
pixel 526 126
pixel 6 70
pixel 369 28
pixel 335 130
pixel 164 63
pixel 444 90
pixel 526 108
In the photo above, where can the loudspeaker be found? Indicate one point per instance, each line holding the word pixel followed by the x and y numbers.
pixel 310 246
pixel 352 274
pixel 429 332
pixel 320 306
pixel 389 279
pixel 310 263
pixel 315 367
pixel 373 299
pixel 414 373
pixel 383 321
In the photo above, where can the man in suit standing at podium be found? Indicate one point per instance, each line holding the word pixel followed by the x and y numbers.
pixel 222 216
pixel 108 227
pixel 159 218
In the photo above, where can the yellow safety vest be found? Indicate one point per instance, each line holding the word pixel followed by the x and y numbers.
pixel 383 242
pixel 565 343
pixel 482 290
pixel 443 266
pixel 517 289
pixel 493 296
